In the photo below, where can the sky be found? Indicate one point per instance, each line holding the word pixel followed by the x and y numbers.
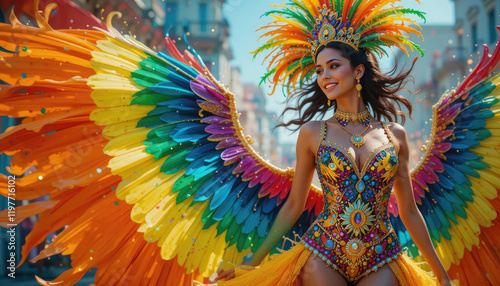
pixel 244 19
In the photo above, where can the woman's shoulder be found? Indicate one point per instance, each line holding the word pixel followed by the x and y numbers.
pixel 310 133
pixel 396 129
pixel 311 127
pixel 398 132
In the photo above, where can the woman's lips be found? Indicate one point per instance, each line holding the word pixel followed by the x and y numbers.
pixel 330 86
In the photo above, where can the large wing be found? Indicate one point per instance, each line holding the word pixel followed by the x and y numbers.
pixel 141 153
pixel 457 180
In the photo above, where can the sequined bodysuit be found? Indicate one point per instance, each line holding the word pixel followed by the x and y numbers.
pixel 353 233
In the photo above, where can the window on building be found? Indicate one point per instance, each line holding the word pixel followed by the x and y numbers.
pixel 170 16
pixel 203 17
pixel 491 26
pixel 474 37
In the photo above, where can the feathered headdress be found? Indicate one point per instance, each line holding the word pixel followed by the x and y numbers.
pixel 301 27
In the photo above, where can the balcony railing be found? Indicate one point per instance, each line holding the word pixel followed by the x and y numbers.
pixel 200 30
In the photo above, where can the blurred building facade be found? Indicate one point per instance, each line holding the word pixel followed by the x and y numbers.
pixel 451 53
pixel 258 123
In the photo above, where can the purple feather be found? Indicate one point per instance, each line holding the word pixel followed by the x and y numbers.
pixel 227 143
pixel 216 120
pixel 218 129
pixel 232 152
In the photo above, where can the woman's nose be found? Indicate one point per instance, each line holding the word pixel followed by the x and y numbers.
pixel 326 74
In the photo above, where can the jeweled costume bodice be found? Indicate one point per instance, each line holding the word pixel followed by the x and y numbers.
pixel 353 233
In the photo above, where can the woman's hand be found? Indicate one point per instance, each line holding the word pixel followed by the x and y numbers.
pixel 446 282
pixel 229 274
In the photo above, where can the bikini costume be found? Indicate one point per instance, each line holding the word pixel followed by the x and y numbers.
pixel 353 233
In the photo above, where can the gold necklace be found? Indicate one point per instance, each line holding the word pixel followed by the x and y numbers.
pixel 356 139
pixel 344 117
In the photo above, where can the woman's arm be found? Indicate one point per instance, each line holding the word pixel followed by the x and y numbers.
pixel 294 205
pixel 410 215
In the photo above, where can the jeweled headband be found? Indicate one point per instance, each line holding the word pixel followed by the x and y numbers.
pixel 301 27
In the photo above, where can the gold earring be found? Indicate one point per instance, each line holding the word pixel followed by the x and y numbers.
pixel 329 102
pixel 359 88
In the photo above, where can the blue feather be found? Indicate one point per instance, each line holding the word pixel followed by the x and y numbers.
pixel 251 222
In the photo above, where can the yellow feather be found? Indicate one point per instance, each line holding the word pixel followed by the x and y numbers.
pixel 114 130
pixel 490 176
pixel 120 144
pixel 187 247
pixel 103 62
pixel 457 244
pixel 213 254
pixel 148 180
pixel 200 246
pixel 106 116
pixel 173 239
pixel 158 221
pixel 125 53
pixel 297 25
pixel 126 164
pixel 483 187
pixel 446 258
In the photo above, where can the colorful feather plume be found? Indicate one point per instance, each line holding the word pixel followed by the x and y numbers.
pixel 299 26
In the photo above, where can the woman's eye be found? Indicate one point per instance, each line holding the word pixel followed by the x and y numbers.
pixel 319 71
pixel 333 66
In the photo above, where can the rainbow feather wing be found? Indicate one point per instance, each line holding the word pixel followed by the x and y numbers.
pixel 457 180
pixel 123 123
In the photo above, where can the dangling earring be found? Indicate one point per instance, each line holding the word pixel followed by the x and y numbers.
pixel 329 102
pixel 359 87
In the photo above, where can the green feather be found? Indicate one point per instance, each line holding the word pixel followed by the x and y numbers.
pixel 161 132
pixel 338 6
pixel 177 161
pixel 149 120
pixel 463 192
pixel 240 245
pixel 232 232
pixel 224 224
pixel 150 99
pixel 353 9
pixel 304 10
pixel 451 216
pixel 445 233
pixel 154 66
pixel 145 78
pixel 264 77
pixel 207 214
pixel 187 190
pixel 182 182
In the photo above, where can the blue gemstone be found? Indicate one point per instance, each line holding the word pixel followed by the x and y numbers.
pixel 379 248
pixel 360 186
pixel 329 244
pixel 355 246
pixel 357 218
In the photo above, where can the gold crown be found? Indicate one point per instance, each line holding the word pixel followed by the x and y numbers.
pixel 330 28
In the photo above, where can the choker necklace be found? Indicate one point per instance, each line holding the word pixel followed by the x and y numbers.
pixel 344 117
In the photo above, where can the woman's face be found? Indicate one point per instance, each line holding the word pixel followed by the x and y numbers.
pixel 336 77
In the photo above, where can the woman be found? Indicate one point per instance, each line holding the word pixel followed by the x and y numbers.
pixel 359 159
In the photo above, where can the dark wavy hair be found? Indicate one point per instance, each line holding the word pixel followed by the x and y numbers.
pixel 378 93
